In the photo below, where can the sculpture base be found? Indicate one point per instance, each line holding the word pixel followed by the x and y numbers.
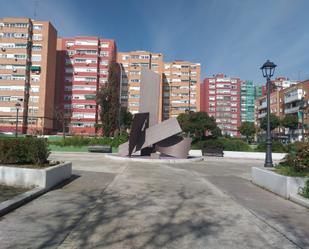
pixel 149 159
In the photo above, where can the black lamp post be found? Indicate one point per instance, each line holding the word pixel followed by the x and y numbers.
pixel 17 105
pixel 268 70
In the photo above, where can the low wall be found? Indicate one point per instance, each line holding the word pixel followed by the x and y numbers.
pixel 242 154
pixel 44 178
pixel 284 186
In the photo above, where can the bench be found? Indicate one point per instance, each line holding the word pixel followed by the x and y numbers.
pixel 104 148
pixel 212 151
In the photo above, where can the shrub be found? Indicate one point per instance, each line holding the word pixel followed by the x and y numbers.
pixel 298 156
pixel 276 147
pixel 23 150
pixel 85 141
pixel 305 190
pixel 230 144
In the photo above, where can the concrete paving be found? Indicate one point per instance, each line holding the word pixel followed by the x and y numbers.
pixel 134 205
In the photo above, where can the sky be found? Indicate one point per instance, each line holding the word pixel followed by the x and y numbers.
pixel 234 37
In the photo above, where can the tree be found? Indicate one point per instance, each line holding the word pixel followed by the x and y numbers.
pixel 274 122
pixel 108 101
pixel 126 118
pixel 197 123
pixel 60 118
pixel 247 129
pixel 290 121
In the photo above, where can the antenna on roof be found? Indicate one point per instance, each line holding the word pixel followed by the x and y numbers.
pixel 36 5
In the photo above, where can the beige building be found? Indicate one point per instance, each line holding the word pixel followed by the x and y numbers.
pixel 27 74
pixel 132 63
pixel 181 88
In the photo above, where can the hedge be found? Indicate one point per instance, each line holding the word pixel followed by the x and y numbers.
pixel 85 141
pixel 27 150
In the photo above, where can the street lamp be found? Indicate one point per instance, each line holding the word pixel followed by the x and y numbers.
pixel 17 105
pixel 268 70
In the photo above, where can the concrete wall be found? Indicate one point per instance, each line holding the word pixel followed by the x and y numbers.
pixel 252 155
pixel 44 178
pixel 284 186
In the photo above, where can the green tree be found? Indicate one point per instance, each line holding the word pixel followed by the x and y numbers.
pixel 274 122
pixel 126 118
pixel 247 129
pixel 290 121
pixel 196 123
pixel 108 101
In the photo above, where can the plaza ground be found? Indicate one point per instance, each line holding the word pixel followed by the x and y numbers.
pixel 110 204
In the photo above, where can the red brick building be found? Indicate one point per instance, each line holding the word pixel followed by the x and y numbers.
pixel 82 68
pixel 220 98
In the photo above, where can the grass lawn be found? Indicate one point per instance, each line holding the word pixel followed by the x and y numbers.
pixel 53 147
pixel 289 171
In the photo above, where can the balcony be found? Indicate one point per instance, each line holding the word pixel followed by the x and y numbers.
pixel 291 110
pixel 293 96
pixel 263 106
pixel 262 115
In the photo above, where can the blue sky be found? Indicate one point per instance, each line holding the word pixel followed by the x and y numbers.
pixel 234 37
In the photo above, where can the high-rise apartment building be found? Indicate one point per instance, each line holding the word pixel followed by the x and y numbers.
pixel 131 65
pixel 181 88
pixel 83 64
pixel 249 93
pixel 27 74
pixel 220 98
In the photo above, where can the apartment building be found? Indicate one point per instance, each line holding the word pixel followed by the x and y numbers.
pixel 249 92
pixel 276 106
pixel 27 74
pixel 83 64
pixel 131 64
pixel 181 88
pixel 296 102
pixel 220 98
pixel 281 83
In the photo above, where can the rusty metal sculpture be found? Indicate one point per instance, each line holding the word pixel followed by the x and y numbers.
pixel 147 135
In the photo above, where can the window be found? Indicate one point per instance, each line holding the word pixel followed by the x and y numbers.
pixel 38 26
pixel 36 57
pixel 36 47
pixel 104 53
pixel 104 44
pixel 37 37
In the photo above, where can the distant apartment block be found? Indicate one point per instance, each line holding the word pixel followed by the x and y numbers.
pixel 27 74
pixel 249 92
pixel 287 101
pixel 181 88
pixel 83 64
pixel 132 64
pixel 220 98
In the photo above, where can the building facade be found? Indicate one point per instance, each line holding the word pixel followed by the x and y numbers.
pixel 296 102
pixel 281 83
pixel 83 64
pixel 131 65
pixel 27 75
pixel 181 88
pixel 220 98
pixel 248 94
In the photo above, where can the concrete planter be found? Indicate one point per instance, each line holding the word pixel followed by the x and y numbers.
pixel 252 155
pixel 285 186
pixel 44 178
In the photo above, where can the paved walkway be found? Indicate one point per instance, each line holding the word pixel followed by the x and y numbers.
pixel 132 205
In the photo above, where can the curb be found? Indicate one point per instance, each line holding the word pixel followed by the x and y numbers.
pixel 19 200
pixel 300 200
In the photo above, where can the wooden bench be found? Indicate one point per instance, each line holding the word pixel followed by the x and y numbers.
pixel 100 148
pixel 212 151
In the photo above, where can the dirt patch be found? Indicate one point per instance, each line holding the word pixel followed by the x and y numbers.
pixel 8 192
